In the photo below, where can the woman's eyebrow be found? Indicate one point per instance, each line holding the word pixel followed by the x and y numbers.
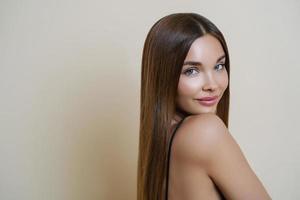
pixel 199 63
pixel 192 63
pixel 219 59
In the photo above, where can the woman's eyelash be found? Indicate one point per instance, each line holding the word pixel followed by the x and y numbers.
pixel 189 71
pixel 222 64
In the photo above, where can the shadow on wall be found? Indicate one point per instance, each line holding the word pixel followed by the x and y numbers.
pixel 103 156
pixel 99 110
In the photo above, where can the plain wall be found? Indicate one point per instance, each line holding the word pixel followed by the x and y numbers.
pixel 70 81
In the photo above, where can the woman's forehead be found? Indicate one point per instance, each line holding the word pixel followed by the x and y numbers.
pixel 205 49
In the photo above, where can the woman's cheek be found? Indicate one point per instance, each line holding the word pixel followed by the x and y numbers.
pixel 224 81
pixel 189 87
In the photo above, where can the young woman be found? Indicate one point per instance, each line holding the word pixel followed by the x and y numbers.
pixel 185 90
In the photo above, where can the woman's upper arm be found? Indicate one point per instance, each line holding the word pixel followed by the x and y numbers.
pixel 223 160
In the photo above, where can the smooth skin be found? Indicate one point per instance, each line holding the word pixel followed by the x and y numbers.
pixel 205 158
pixel 203 74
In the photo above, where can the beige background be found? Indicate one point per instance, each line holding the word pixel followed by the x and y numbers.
pixel 70 80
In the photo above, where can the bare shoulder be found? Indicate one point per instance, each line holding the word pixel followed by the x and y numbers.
pixel 208 124
pixel 199 135
pixel 204 141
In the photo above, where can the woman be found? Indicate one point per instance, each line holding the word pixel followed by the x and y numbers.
pixel 185 90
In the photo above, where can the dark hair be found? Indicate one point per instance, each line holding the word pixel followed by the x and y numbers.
pixel 165 50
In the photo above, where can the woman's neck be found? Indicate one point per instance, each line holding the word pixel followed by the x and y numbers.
pixel 179 115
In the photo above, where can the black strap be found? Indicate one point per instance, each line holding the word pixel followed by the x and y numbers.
pixel 169 156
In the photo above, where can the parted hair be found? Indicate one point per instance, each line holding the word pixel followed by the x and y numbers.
pixel 165 49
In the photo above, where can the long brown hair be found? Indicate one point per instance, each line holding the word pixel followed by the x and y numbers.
pixel 165 50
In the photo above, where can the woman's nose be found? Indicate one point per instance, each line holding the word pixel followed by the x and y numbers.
pixel 210 83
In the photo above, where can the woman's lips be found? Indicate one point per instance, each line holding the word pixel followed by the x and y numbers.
pixel 208 101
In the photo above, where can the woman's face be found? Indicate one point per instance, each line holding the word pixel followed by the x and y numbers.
pixel 203 75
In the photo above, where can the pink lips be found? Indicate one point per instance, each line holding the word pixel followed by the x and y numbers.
pixel 208 101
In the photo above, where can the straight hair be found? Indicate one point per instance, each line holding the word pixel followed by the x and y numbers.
pixel 165 49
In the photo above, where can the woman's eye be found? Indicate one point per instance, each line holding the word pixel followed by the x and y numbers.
pixel 221 66
pixel 190 71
